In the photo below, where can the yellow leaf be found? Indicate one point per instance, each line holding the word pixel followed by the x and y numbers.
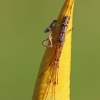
pixel 47 86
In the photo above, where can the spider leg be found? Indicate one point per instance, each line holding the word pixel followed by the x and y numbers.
pixel 70 30
pixel 48 39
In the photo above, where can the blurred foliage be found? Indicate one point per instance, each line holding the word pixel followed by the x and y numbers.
pixel 22 23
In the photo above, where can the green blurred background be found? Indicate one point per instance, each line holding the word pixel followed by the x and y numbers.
pixel 22 23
